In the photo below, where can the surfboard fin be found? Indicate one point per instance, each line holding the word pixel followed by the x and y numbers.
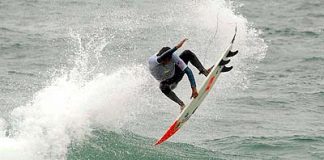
pixel 224 62
pixel 231 54
pixel 226 69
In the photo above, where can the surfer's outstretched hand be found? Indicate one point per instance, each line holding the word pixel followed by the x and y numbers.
pixel 194 93
pixel 181 43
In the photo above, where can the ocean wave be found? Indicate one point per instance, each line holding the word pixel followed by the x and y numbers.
pixel 319 93
pixel 310 5
pixel 316 15
pixel 313 59
pixel 269 147
pixel 21 73
pixel 5 29
pixel 307 139
pixel 291 32
pixel 112 145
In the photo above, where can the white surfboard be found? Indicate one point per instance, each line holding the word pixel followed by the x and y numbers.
pixel 202 92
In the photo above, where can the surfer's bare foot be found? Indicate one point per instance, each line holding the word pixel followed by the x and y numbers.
pixel 182 106
pixel 206 72
pixel 209 69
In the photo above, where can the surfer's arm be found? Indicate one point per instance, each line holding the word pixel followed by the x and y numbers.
pixel 192 82
pixel 169 52
pixel 181 43
pixel 190 77
pixel 183 66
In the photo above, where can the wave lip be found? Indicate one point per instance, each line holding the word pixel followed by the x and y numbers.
pixel 111 145
pixel 66 110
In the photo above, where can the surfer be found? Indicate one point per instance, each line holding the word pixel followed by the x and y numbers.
pixel 169 69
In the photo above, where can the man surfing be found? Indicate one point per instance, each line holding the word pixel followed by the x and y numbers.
pixel 169 69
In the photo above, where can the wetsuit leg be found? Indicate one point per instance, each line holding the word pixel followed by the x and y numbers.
pixel 166 89
pixel 168 85
pixel 188 56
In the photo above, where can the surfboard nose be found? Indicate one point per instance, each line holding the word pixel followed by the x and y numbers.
pixel 171 131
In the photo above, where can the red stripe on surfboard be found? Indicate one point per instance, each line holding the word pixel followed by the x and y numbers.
pixel 172 130
pixel 210 82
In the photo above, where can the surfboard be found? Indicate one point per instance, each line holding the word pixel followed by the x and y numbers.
pixel 203 91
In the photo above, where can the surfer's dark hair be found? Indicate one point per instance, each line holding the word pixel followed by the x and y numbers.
pixel 162 50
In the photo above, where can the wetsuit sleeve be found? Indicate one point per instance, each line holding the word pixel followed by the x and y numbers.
pixel 167 53
pixel 190 77
pixel 183 66
pixel 179 62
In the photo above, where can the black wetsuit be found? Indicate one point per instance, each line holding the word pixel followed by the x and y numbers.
pixel 177 70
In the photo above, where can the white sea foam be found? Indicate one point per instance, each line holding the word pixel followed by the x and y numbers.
pixel 69 107
pixel 65 110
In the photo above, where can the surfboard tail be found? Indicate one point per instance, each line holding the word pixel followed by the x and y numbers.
pixel 234 34
pixel 172 130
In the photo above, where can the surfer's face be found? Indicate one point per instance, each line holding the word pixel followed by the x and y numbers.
pixel 166 61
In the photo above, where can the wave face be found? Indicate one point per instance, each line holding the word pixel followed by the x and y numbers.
pixel 79 87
